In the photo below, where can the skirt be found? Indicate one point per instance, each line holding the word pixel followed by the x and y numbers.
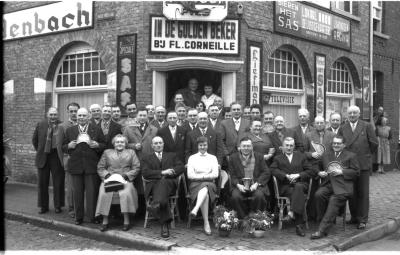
pixel 128 200
pixel 195 187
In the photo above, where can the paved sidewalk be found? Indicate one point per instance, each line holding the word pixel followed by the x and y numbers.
pixel 384 205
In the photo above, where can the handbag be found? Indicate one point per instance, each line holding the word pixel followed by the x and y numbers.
pixel 113 186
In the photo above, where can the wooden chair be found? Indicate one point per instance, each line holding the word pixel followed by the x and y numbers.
pixel 172 200
pixel 284 203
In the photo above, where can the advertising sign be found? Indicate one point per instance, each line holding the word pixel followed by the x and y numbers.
pixel 366 93
pixel 172 36
pixel 47 19
pixel 319 88
pixel 195 10
pixel 281 99
pixel 254 56
pixel 126 71
pixel 311 23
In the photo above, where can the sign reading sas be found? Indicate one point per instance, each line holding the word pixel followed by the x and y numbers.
pixel 174 36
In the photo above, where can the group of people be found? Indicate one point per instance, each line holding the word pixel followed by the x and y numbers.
pixel 230 160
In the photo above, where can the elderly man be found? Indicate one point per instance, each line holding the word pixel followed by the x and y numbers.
pixel 221 111
pixel 214 121
pixel 159 120
pixel 361 139
pixel 161 169
pixel 84 143
pixel 150 112
pixel 281 132
pixel 95 112
pixel 293 172
pixel 304 126
pixel 336 185
pixel 192 118
pixel 248 164
pixel 268 122
pixel 191 96
pixel 109 127
pixel 116 114
pixel 72 109
pixel 49 159
pixel 335 120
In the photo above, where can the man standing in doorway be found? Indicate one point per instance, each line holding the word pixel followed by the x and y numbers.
pixel 191 96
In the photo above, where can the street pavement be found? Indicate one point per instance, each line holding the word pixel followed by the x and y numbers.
pixel 384 205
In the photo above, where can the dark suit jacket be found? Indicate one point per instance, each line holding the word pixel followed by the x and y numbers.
pixel 157 124
pixel 83 159
pixel 152 167
pixel 313 136
pixel 276 142
pixel 217 125
pixel 261 173
pixel 299 133
pixel 39 141
pixel 177 146
pixel 362 142
pixel 215 146
pixel 341 184
pixel 187 126
pixel 299 165
pixel 190 99
pixel 113 130
pixel 230 137
pixel 331 129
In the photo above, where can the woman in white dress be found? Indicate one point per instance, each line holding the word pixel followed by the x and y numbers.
pixel 124 162
pixel 202 170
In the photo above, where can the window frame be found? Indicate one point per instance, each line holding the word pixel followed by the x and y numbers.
pixel 341 72
pixel 377 9
pixel 337 6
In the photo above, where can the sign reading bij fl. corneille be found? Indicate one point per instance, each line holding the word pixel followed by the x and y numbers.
pixel 178 36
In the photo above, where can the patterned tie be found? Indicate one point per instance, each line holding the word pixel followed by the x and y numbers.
pixel 237 125
pixel 336 154
pixel 203 132
pixel 159 156
pixel 353 127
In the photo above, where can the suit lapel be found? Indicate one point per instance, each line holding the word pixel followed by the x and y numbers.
pixel 356 132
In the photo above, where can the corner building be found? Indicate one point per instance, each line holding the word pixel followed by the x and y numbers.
pixel 283 55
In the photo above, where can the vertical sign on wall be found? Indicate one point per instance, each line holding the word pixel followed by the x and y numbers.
pixel 320 102
pixel 254 53
pixel 126 71
pixel 366 93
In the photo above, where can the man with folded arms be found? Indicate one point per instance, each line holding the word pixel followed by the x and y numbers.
pixel 336 185
pixel 161 169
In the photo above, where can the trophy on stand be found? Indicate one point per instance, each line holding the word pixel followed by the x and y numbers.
pixel 83 138
pixel 247 182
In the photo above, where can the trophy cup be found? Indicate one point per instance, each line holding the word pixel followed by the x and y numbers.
pixel 83 138
pixel 333 166
pixel 247 183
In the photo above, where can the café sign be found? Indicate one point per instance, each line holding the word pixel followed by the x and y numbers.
pixel 175 36
pixel 195 10
pixel 311 23
pixel 47 19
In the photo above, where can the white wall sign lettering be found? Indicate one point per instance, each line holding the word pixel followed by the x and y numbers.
pixel 320 103
pixel 281 99
pixel 195 10
pixel 254 66
pixel 46 19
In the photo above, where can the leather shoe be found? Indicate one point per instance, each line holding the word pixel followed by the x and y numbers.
pixel 164 230
pixel 207 232
pixel 58 210
pixel 43 210
pixel 78 222
pixel 95 221
pixel 126 227
pixel 352 221
pixel 318 235
pixel 104 227
pixel 362 226
pixel 300 231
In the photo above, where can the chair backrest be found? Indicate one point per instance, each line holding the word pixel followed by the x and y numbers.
pixel 276 189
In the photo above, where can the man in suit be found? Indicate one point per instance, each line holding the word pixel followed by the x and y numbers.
pixel 248 164
pixel 336 186
pixel 178 99
pixel 49 159
pixel 180 109
pixel 214 121
pixel 304 126
pixel 361 139
pixel 174 136
pixel 293 172
pixel 159 120
pixel 161 169
pixel 255 111
pixel 109 127
pixel 268 122
pixel 335 120
pixel 192 118
pixel 116 114
pixel 280 133
pixel 191 96
pixel 95 112
pixel 221 111
pixel 82 164
pixel 150 112
pixel 72 109
pixel 232 129
pixel 131 120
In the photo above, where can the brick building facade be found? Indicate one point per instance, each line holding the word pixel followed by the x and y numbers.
pixel 33 65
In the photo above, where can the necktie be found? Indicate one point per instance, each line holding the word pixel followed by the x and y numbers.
pixel 353 127
pixel 203 132
pixel 159 156
pixel 237 125
pixel 280 135
pixel 336 154
pixel 173 133
pixel 321 137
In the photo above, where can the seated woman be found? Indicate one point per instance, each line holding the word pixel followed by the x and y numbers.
pixel 202 170
pixel 124 162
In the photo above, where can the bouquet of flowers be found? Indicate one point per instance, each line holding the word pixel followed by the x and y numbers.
pixel 258 221
pixel 224 219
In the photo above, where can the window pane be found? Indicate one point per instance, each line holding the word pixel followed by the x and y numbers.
pixel 87 64
pixel 271 65
pixel 290 82
pixel 102 67
pixel 65 81
pixel 72 66
pixel 95 64
pixel 103 78
pixel 80 65
pixel 58 83
pixel 95 78
pixel 277 66
pixel 72 81
pixel 65 67
pixel 80 79
pixel 87 79
pixel 300 84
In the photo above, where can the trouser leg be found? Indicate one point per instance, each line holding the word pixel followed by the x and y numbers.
pixel 259 201
pixel 238 203
pixel 336 202
pixel 92 184
pixel 70 197
pixel 58 177
pixel 43 186
pixel 321 201
pixel 78 194
pixel 161 192
pixel 363 197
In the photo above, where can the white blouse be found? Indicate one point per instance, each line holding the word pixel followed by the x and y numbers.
pixel 202 166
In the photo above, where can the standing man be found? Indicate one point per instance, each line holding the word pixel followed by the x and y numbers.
pixel 191 97
pixel 281 132
pixel 191 122
pixel 246 112
pixel 255 111
pixel 268 122
pixel 214 122
pixel 109 127
pixel 131 120
pixel 150 112
pixel 221 111
pixel 116 114
pixel 95 112
pixel 178 99
pixel 159 121
pixel 361 139
pixel 72 109
pixel 335 120
pixel 304 126
pixel 49 159
pixel 161 170
pixel 84 143
pixel 181 111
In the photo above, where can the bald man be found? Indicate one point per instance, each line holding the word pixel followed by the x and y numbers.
pixel 49 159
pixel 95 112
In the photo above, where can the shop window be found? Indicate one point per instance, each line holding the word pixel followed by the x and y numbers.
pixel 340 81
pixel 377 15
pixel 283 71
pixel 81 70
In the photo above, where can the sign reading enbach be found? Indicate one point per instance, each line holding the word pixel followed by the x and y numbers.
pixel 194 36
pixel 46 19
pixel 307 22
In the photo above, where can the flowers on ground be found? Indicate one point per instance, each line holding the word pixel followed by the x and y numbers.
pixel 224 219
pixel 258 221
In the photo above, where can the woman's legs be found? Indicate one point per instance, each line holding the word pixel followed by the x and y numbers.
pixel 105 219
pixel 204 212
pixel 126 218
pixel 201 196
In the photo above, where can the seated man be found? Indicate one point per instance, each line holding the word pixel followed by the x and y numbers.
pixel 336 187
pixel 248 164
pixel 293 172
pixel 161 169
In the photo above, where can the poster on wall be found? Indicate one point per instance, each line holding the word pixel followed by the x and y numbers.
pixel 366 94
pixel 126 71
pixel 254 53
pixel 319 87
